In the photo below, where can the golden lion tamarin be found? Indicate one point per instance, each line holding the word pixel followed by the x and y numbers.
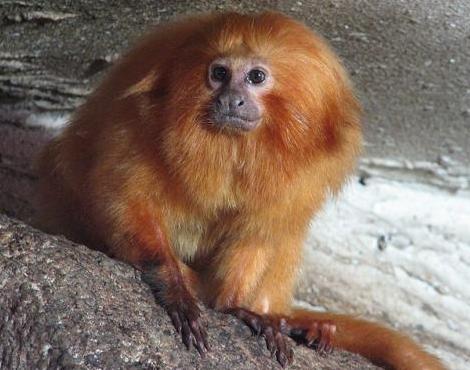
pixel 201 160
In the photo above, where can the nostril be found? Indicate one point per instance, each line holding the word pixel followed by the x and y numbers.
pixel 240 103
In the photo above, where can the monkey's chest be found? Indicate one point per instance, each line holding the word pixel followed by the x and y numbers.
pixel 192 236
pixel 186 236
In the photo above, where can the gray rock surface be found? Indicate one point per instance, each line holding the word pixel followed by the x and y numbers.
pixel 18 148
pixel 64 306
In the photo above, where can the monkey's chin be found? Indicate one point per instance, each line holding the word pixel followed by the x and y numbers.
pixel 234 124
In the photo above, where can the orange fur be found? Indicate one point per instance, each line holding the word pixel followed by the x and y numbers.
pixel 140 175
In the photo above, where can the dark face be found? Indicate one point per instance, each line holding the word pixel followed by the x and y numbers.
pixel 238 85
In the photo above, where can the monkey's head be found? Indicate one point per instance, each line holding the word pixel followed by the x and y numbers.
pixel 238 85
pixel 263 77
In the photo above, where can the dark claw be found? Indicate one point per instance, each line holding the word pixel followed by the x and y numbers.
pixel 175 319
pixel 200 348
pixel 256 327
pixel 269 338
pixel 284 326
pixel 198 340
pixel 285 354
pixel 204 338
pixel 281 358
pixel 186 335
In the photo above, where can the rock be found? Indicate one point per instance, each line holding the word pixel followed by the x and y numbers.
pixel 65 306
pixel 18 148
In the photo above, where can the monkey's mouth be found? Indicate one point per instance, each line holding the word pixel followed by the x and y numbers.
pixel 234 122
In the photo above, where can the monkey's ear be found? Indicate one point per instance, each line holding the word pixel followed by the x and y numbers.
pixel 145 85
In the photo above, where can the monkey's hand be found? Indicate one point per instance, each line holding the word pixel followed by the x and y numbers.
pixel 186 317
pixel 273 330
pixel 171 292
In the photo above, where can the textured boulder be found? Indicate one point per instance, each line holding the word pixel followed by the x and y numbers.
pixel 65 306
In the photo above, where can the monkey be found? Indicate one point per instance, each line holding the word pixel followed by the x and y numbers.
pixel 201 159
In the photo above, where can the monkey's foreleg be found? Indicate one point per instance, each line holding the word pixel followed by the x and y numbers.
pixel 265 305
pixel 234 277
pixel 146 246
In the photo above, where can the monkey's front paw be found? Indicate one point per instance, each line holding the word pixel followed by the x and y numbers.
pixel 186 318
pixel 272 328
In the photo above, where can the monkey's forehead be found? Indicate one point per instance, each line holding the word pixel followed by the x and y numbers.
pixel 260 36
pixel 240 60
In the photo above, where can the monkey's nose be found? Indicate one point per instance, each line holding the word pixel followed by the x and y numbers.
pixel 237 101
pixel 230 102
pixel 234 108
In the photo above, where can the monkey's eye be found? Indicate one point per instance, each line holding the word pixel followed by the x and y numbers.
pixel 256 76
pixel 219 73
